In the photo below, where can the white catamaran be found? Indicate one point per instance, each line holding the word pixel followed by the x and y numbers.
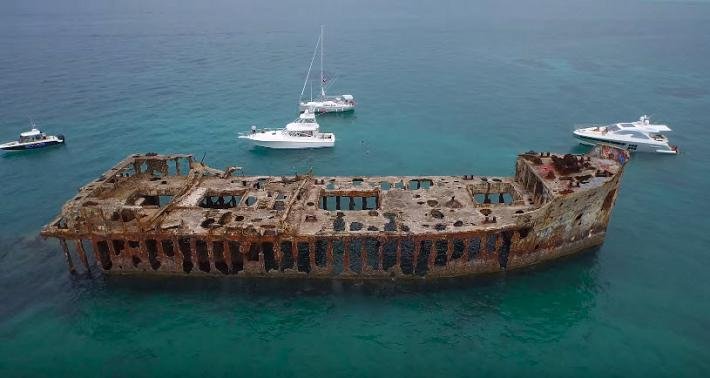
pixel 324 103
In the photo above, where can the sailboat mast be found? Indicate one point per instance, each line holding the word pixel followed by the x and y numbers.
pixel 322 80
pixel 308 75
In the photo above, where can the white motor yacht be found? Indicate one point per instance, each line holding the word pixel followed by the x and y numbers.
pixel 299 134
pixel 641 135
pixel 33 139
pixel 324 103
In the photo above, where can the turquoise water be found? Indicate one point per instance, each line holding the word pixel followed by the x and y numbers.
pixel 457 87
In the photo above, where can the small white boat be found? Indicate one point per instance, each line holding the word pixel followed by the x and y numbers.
pixel 641 135
pixel 33 139
pixel 324 103
pixel 299 134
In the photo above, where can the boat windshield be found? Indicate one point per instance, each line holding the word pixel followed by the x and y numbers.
pixel 31 138
pixel 612 128
pixel 302 134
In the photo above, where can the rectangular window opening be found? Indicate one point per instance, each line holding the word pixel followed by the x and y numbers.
pixel 304 258
pixel 104 254
pixel 458 249
pixel 417 184
pixel 491 243
pixel 422 263
pixel 219 260
pixel 287 255
pixel 221 201
pixel 321 253
pixel 441 251
pixel 349 203
pixel 407 257
pixel 338 253
pixel 203 260
pixel 355 255
pixel 168 247
pixel 389 254
pixel 235 253
pixel 474 246
pixel 267 249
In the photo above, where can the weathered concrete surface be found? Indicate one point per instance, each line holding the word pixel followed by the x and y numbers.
pixel 167 214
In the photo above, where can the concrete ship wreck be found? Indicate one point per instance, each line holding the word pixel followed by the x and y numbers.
pixel 170 214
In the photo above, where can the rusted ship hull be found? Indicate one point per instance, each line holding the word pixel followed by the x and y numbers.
pixel 144 216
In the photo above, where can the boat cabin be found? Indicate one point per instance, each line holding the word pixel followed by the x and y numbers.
pixel 31 136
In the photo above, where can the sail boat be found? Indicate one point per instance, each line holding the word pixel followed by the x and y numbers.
pixel 324 103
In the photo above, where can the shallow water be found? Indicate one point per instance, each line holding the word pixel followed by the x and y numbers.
pixel 454 88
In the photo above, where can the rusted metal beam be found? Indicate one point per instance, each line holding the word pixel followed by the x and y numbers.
pixel 67 256
pixel 82 254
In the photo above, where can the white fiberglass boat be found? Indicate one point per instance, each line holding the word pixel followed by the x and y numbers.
pixel 324 103
pixel 641 135
pixel 33 139
pixel 299 134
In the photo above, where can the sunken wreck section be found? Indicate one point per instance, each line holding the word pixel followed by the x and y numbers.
pixel 169 214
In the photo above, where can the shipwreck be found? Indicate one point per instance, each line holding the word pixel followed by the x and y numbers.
pixel 173 215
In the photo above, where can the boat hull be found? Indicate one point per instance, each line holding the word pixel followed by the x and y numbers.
pixel 30 146
pixel 631 146
pixel 327 109
pixel 292 145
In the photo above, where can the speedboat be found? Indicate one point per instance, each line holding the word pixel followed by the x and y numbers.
pixel 640 135
pixel 324 103
pixel 299 134
pixel 33 139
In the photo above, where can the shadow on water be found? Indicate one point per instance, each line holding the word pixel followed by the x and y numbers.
pixel 569 272
pixel 43 257
pixel 291 153
pixel 540 302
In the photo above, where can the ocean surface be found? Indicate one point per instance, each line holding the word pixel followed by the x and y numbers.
pixel 448 87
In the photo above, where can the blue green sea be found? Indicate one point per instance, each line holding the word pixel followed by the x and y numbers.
pixel 446 87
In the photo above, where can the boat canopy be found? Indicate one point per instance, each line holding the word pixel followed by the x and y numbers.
pixel 638 126
pixel 307 116
pixel 656 128
pixel 348 97
pixel 31 133
pixel 645 123
pixel 298 126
